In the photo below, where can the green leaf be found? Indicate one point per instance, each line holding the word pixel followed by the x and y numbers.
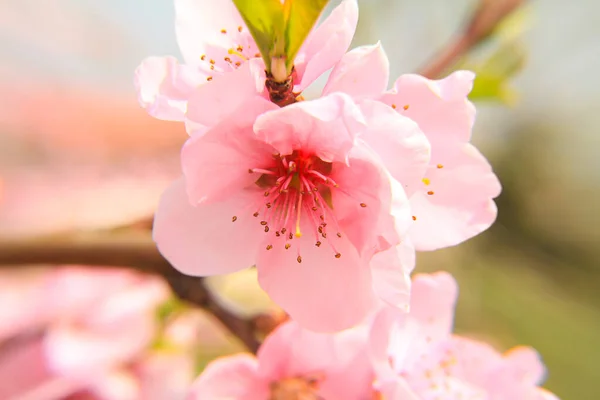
pixel 266 22
pixel 300 16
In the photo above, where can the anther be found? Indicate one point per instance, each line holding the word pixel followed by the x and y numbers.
pixel 338 255
pixel 430 193
pixel 440 166
pixel 223 31
pixel 269 247
pixel 209 78
pixel 266 229
pixel 237 63
pixel 227 59
pixel 240 49
pixel 267 193
pixel 239 28
pixel 203 57
pixel 233 219
pixel 212 67
pixel 212 61
pixel 263 223
pixel 287 246
pixel 363 205
pixel 394 106
pixel 414 218
pixel 324 234
pixel 405 107
pixel 339 235
pixel 314 208
pixel 320 229
pixel 255 214
pixel 268 205
pixel 318 243
pixel 277 233
pixel 290 236
pixel 322 217
pixel 257 55
pixel 299 259
pixel 283 230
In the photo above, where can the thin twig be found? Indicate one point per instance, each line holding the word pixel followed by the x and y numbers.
pixel 482 23
pixel 139 254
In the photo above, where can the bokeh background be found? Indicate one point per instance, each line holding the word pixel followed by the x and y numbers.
pixel 78 155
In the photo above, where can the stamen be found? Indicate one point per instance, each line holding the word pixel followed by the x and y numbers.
pixel 430 193
pixel 262 171
pixel 338 255
pixel 255 214
pixel 269 247
pixel 237 53
pixel 287 246
pixel 363 205
pixel 405 107
pixel 233 219
pixel 223 31
pixel 299 259
pixel 299 208
pixel 239 28
pixel 440 166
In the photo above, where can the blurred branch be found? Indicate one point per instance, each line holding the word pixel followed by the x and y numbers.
pixel 122 251
pixel 485 19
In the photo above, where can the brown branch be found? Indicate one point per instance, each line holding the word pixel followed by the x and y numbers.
pixel 116 251
pixel 482 23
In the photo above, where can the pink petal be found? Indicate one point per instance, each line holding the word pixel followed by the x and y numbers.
pixel 432 303
pixel 224 94
pixel 216 164
pixel 322 293
pixel 402 146
pixel 203 240
pixel 164 86
pixel 455 200
pixel 527 362
pixel 439 107
pixel 363 203
pixel 363 72
pixel 326 127
pixel 390 271
pixel 230 378
pixel 198 26
pixel 291 351
pixel 164 375
pixel 326 44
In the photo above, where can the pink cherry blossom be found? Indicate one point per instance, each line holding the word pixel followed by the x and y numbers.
pixel 451 200
pixel 215 41
pixel 293 363
pixel 300 193
pixel 417 357
pixel 72 329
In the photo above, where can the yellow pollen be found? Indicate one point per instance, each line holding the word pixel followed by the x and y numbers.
pixel 440 166
pixel 426 181
pixel 233 219
pixel 237 53
pixel 405 107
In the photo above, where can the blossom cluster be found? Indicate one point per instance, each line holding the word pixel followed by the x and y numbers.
pixel 329 198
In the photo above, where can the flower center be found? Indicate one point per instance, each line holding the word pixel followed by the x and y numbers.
pixel 295 389
pixel 240 48
pixel 297 197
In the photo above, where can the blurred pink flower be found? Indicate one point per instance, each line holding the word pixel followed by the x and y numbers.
pixel 78 328
pixel 215 41
pixel 293 363
pixel 451 200
pixel 417 357
pixel 298 192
